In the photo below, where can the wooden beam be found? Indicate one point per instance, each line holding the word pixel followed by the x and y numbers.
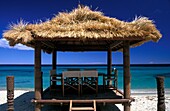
pixel 120 47
pixel 48 44
pixel 55 101
pixel 88 39
pixel 81 48
pixel 117 43
pixel 126 72
pixel 37 74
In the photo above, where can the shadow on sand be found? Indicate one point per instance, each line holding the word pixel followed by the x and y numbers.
pixel 23 103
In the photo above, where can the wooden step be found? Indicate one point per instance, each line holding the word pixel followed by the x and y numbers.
pixel 82 108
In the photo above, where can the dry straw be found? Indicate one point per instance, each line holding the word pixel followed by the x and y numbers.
pixel 82 23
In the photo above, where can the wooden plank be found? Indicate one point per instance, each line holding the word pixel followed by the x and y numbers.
pixel 82 108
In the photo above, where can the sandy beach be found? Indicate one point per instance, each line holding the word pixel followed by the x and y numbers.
pixel 143 101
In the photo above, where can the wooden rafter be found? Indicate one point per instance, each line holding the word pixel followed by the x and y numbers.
pixel 50 45
pixel 88 39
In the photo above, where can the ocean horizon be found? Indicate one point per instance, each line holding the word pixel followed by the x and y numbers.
pixel 143 76
pixel 168 64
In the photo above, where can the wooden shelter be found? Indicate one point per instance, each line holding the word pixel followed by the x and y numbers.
pixel 83 30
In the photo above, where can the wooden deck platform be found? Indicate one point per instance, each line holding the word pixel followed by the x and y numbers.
pixel 53 99
pixel 87 94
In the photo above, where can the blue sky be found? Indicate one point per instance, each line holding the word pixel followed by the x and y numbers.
pixel 34 10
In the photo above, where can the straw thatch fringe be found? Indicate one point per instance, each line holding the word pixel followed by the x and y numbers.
pixel 82 23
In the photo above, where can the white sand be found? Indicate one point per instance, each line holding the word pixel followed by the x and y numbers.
pixel 3 95
pixel 146 102
pixel 22 100
pixel 143 101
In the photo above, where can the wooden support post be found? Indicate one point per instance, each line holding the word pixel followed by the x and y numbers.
pixel 116 76
pixel 37 74
pixel 161 92
pixel 10 93
pixel 41 84
pixel 54 56
pixel 109 64
pixel 126 71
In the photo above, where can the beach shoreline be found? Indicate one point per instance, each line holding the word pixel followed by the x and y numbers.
pixel 144 100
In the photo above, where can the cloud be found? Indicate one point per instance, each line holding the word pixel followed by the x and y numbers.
pixel 5 44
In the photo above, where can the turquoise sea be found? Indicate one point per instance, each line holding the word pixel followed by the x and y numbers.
pixel 142 76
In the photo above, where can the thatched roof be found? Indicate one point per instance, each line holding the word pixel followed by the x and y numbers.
pixel 84 28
